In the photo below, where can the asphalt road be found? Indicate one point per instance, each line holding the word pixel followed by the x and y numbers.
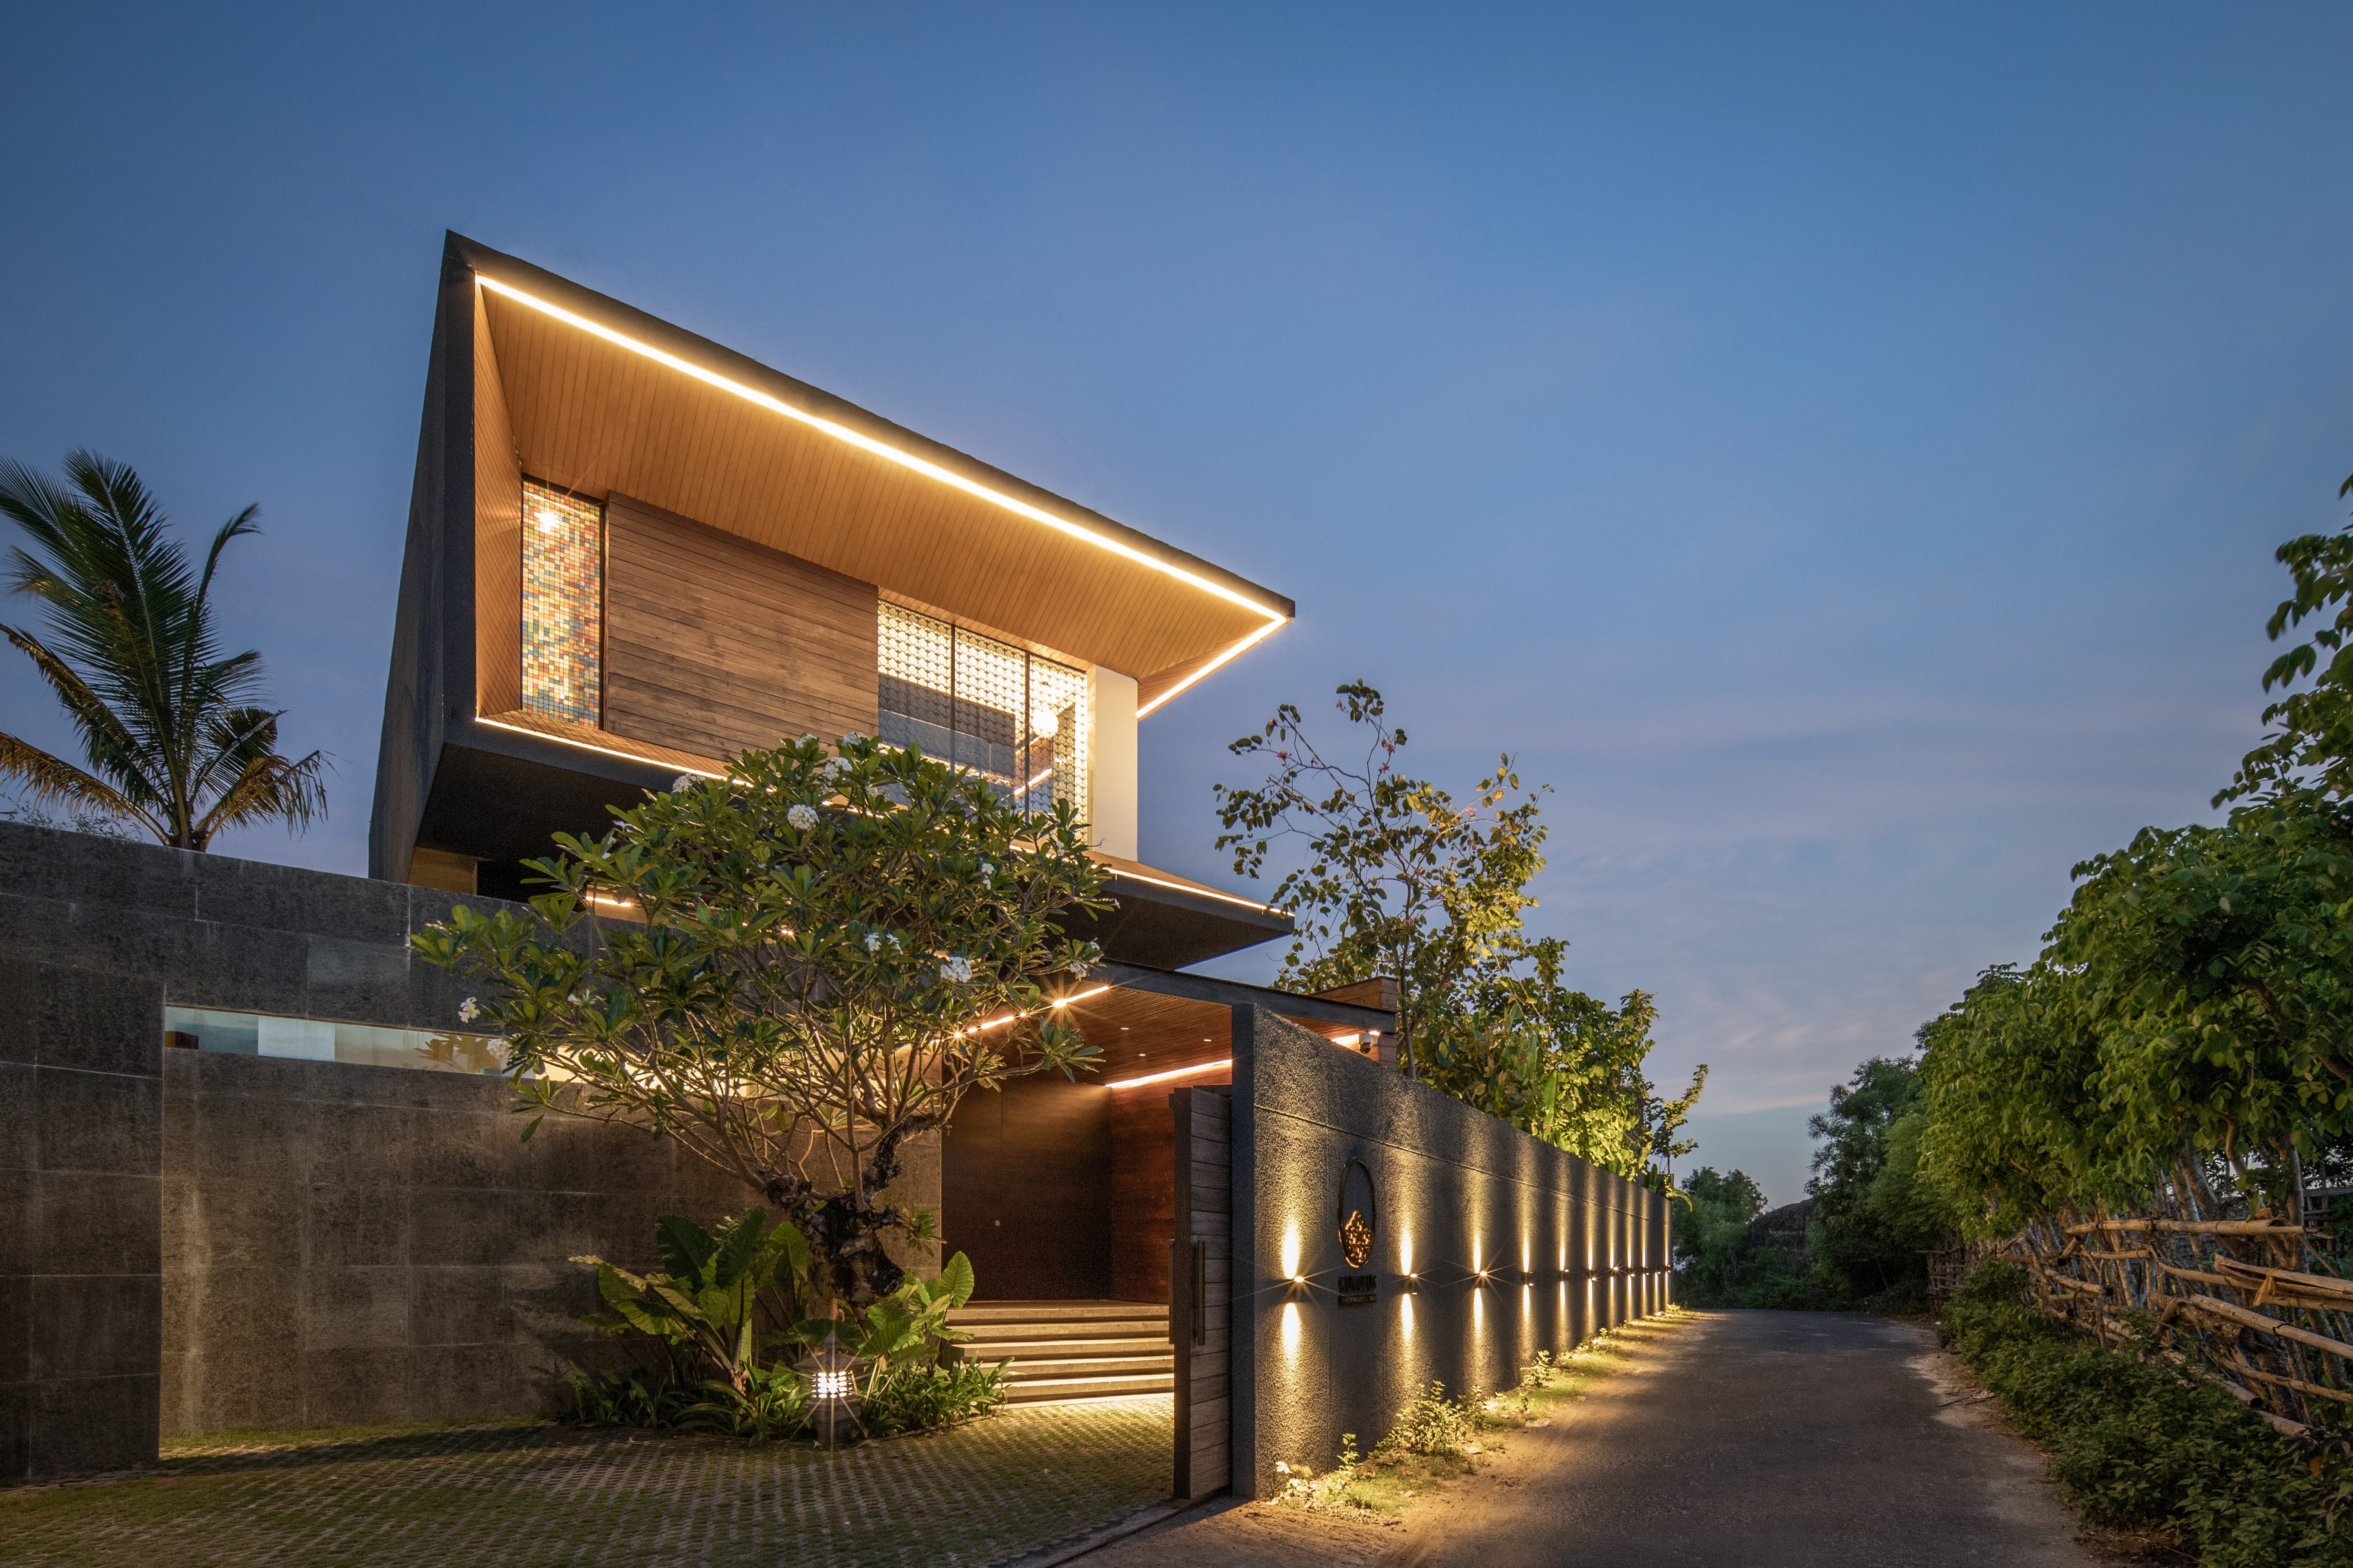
pixel 1756 1439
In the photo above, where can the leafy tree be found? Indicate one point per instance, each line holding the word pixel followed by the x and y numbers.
pixel 174 740
pixel 2013 1123
pixel 1399 880
pixel 1396 879
pixel 2187 1018
pixel 1874 1216
pixel 830 952
pixel 1711 1237
pixel 1561 1065
pixel 2311 752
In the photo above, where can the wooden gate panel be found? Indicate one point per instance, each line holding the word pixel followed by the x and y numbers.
pixel 1200 1297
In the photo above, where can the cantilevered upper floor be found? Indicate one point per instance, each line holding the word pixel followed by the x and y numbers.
pixel 632 552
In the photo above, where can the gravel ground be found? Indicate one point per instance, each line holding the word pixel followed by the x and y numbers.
pixel 526 1495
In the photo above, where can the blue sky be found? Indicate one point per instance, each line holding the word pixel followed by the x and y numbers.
pixel 1840 448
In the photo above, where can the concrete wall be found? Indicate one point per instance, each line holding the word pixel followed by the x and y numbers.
pixel 252 1239
pixel 1568 1248
pixel 348 1243
pixel 81 1113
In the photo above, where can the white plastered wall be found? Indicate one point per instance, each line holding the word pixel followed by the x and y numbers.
pixel 1111 762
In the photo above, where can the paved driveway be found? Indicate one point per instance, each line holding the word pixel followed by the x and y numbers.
pixel 1756 1439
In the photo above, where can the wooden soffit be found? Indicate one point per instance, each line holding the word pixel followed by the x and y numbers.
pixel 603 399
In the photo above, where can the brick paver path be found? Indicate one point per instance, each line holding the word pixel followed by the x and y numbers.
pixel 544 1494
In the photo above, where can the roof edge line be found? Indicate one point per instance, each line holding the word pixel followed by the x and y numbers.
pixel 841 418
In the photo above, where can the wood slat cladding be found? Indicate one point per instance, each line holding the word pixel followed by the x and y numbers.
pixel 498 536
pixel 1200 1296
pixel 598 418
pixel 1143 1194
pixel 715 645
pixel 1022 1191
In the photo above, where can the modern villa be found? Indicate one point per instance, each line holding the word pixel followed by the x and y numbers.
pixel 262 1178
pixel 632 552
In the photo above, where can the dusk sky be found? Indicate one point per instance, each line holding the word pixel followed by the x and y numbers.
pixel 1840 449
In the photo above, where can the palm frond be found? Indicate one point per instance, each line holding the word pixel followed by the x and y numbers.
pixel 48 778
pixel 130 649
pixel 113 750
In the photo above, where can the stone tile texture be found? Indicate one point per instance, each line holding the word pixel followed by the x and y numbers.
pixel 523 1495
pixel 202 1240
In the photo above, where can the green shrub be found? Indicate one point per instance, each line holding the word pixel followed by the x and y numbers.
pixel 2133 1443
pixel 1434 1424
pixel 921 1398
pixel 769 1401
pixel 623 1399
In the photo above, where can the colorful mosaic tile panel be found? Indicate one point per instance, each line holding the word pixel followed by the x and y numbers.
pixel 563 603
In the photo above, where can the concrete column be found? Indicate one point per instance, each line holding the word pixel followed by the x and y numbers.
pixel 1111 762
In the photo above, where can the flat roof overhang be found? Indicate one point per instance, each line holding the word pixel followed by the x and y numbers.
pixel 504 786
pixel 1158 1028
pixel 605 399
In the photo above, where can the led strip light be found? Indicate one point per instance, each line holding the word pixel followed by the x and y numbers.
pixel 931 469
pixel 1226 1066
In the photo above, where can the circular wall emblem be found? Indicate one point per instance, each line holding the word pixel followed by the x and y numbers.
pixel 1359 1215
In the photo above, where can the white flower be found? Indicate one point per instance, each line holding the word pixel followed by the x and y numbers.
pixel 873 943
pixel 469 1010
pixel 853 739
pixel 956 969
pixel 988 872
pixel 835 767
pixel 684 780
pixel 1280 1468
pixel 580 998
pixel 806 739
pixel 1078 971
pixel 802 817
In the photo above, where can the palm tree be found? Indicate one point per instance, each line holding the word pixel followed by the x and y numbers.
pixel 174 741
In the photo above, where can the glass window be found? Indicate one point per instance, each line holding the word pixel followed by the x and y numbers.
pixel 563 603
pixel 317 1039
pixel 1018 721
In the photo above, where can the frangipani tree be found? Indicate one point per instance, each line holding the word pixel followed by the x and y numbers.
pixel 835 949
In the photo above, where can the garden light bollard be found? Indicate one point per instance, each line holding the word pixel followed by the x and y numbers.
pixel 833 1388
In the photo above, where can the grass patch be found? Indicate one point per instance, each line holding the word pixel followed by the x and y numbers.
pixel 2136 1445
pixel 265 1439
pixel 1437 1441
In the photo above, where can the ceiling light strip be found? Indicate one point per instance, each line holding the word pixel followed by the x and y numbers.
pixel 1226 1066
pixel 881 449
pixel 1189 887
pixel 1239 648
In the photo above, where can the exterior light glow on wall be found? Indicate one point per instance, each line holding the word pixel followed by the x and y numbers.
pixel 1274 620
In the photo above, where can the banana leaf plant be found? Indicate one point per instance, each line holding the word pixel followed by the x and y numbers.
pixel 702 1304
pixel 911 1324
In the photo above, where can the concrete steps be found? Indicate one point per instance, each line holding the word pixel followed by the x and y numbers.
pixel 1072 1350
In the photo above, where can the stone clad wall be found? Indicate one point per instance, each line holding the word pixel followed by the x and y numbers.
pixel 82 1115
pixel 214 1239
pixel 347 1243
pixel 1568 1248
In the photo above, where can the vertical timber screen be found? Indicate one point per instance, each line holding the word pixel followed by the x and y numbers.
pixel 1201 1264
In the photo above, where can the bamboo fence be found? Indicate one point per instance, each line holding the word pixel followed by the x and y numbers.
pixel 2255 1304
